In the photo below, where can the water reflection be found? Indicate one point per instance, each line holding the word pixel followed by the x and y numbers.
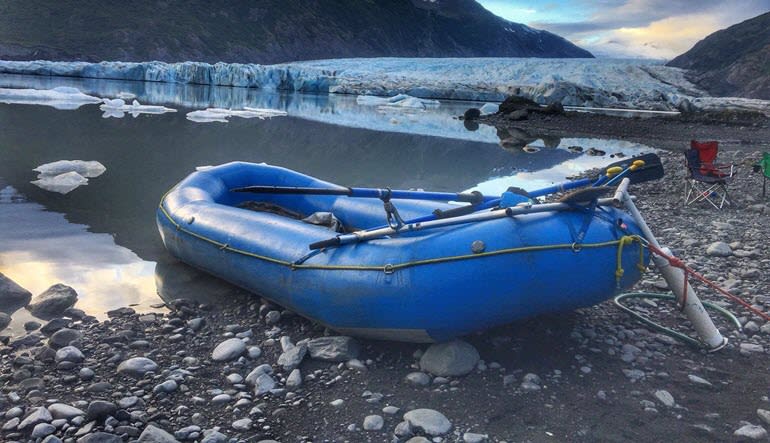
pixel 342 110
pixel 41 248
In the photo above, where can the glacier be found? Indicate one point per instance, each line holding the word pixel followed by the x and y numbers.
pixel 613 83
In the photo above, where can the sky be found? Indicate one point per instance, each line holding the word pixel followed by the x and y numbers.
pixel 630 28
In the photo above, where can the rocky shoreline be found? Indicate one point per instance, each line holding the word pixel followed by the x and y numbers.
pixel 247 370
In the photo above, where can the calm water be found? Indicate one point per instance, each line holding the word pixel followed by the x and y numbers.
pixel 101 238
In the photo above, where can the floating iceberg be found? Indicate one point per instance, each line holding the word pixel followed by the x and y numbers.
pixel 62 183
pixel 397 101
pixel 221 115
pixel 489 108
pixel 63 97
pixel 126 95
pixel 90 169
pixel 118 107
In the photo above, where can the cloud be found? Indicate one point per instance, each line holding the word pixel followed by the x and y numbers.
pixel 650 28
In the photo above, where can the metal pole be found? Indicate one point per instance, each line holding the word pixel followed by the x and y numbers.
pixel 675 277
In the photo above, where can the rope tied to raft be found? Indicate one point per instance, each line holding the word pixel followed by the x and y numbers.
pixel 688 271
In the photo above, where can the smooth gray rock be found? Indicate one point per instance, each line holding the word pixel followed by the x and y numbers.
pixel 70 354
pixel 373 423
pixel 403 430
pixel 252 376
pixel 665 397
pixel 699 380
pixel 719 249
pixel 428 421
pixel 450 359
pixel 214 437
pixel 63 337
pixel 418 378
pixel 12 296
pixel 751 432
pixel 241 425
pixel 153 434
pixel 264 384
pixel 334 348
pixel 51 439
pixel 418 439
pixel 470 437
pixel 100 437
pixel 100 409
pixel 292 358
pixel 53 301
pixel 37 415
pixel 136 367
pixel 11 424
pixel 229 349
pixel 65 411
pixel 42 430
pixel 294 380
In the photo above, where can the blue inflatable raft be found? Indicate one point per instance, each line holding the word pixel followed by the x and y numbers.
pixel 421 284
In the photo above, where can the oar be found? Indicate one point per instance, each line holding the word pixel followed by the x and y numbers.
pixel 648 167
pixel 638 169
pixel 385 194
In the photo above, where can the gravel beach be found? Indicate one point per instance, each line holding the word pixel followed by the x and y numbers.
pixel 247 370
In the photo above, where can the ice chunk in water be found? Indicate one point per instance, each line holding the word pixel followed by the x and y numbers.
pixel 117 107
pixel 221 115
pixel 63 97
pixel 62 183
pixel 89 169
pixel 126 95
pixel 489 108
pixel 399 101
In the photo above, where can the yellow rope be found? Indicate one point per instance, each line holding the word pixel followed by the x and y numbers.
pixel 394 267
pixel 627 240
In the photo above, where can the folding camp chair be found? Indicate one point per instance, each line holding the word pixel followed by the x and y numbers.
pixel 707 180
pixel 764 167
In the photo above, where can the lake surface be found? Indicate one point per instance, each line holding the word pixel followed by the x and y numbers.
pixel 101 238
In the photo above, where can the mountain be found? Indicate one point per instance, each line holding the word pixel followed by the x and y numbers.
pixel 732 62
pixel 264 31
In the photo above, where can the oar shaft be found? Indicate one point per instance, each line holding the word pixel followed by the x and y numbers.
pixel 470 218
pixel 469 197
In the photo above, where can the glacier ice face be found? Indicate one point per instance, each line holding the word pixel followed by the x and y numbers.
pixel 221 115
pixel 615 83
pixel 62 183
pixel 89 169
pixel 64 97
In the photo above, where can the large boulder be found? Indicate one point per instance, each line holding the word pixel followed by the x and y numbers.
pixel 334 348
pixel 53 301
pixel 450 359
pixel 12 296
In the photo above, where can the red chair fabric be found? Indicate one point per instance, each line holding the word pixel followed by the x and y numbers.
pixel 707 153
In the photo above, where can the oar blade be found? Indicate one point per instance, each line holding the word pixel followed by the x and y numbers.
pixel 651 170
